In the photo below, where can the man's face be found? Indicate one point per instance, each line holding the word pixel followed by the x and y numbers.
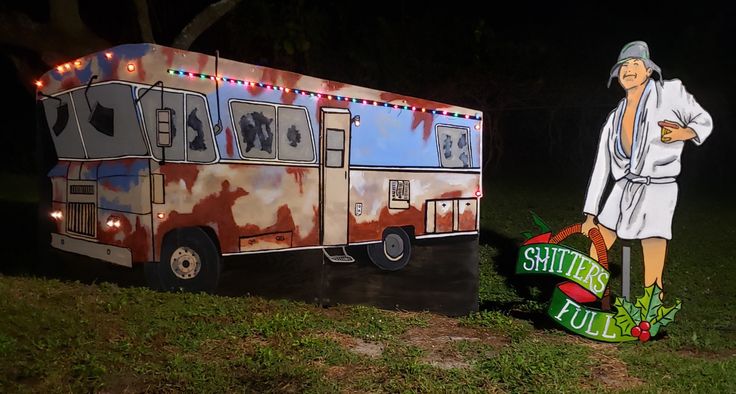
pixel 633 73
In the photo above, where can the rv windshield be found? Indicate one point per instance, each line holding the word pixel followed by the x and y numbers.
pixel 108 121
pixel 63 126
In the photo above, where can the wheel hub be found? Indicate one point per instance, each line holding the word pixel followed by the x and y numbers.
pixel 393 247
pixel 185 263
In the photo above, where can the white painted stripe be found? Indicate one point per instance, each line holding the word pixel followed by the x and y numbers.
pixel 415 169
pixel 270 163
pixel 446 234
pixel 335 110
pixel 274 250
pixel 350 244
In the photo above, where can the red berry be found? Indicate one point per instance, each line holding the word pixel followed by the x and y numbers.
pixel 644 336
pixel 636 331
pixel 645 326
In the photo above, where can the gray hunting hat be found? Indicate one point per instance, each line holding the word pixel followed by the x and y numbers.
pixel 634 50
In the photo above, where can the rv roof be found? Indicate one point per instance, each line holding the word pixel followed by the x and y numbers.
pixel 148 63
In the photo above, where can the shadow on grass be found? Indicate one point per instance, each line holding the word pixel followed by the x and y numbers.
pixel 26 252
pixel 533 291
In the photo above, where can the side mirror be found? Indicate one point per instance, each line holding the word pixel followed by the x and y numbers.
pixel 163 127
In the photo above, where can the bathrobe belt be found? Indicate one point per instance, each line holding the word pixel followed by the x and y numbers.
pixel 648 180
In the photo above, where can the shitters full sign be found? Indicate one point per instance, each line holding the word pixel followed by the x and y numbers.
pixel 586 282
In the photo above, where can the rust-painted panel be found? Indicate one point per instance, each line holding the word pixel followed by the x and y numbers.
pixel 265 242
pixel 241 200
pixel 371 189
pixel 373 230
pixel 467 215
pixel 134 233
pixel 443 217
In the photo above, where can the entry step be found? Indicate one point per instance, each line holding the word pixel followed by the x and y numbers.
pixel 343 258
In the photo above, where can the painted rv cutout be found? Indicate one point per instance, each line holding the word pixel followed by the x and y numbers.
pixel 175 159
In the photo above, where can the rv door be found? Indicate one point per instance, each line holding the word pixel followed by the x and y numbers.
pixel 335 175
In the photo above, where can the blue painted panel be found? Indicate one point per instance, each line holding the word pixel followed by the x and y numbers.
pixel 123 167
pixel 120 183
pixel 59 170
pixel 384 138
pixel 114 205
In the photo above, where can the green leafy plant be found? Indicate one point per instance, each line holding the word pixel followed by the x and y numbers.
pixel 644 318
pixel 539 223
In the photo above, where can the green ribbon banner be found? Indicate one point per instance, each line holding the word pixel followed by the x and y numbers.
pixel 566 305
pixel 584 321
pixel 564 262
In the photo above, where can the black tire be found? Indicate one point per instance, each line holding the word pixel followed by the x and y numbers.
pixel 190 261
pixel 394 250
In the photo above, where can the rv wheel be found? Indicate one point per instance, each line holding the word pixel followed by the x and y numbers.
pixel 393 252
pixel 189 261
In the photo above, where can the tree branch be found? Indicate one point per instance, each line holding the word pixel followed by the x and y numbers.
pixel 25 72
pixel 18 29
pixel 144 20
pixel 52 43
pixel 64 15
pixel 202 22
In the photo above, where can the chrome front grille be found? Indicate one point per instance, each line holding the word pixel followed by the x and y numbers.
pixel 82 189
pixel 81 218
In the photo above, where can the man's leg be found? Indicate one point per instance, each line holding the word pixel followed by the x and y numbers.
pixel 655 250
pixel 609 236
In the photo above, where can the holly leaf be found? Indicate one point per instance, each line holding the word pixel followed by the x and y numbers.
pixel 543 227
pixel 649 303
pixel 664 317
pixel 627 315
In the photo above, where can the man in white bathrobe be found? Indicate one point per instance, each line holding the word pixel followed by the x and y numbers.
pixel 641 148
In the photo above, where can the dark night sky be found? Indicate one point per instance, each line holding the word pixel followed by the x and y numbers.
pixel 538 70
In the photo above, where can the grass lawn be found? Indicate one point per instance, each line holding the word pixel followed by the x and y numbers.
pixel 66 336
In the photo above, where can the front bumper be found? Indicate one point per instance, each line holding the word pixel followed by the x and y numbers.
pixel 109 253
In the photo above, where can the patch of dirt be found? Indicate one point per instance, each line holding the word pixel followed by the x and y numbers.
pixel 124 383
pixel 356 345
pixel 609 371
pixel 343 340
pixel 707 355
pixel 438 341
pixel 370 349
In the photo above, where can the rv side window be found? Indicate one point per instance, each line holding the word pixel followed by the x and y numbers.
pixel 109 122
pixel 256 127
pixel 63 126
pixel 295 136
pixel 175 102
pixel 454 146
pixel 200 147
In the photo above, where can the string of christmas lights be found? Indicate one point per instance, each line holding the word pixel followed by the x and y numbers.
pixel 317 95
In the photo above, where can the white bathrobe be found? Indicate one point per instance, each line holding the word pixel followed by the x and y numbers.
pixel 643 207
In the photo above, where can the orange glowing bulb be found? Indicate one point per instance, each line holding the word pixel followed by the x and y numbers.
pixel 39 84
pixel 108 55
pixel 131 67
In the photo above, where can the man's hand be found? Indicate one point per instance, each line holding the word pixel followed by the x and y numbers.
pixel 672 131
pixel 589 224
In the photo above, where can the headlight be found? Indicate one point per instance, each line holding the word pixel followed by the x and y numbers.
pixel 113 222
